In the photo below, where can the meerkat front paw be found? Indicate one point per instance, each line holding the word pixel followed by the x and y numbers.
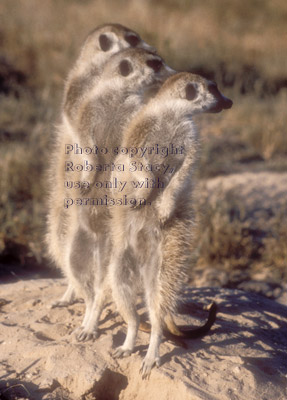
pixel 164 211
pixel 84 334
pixel 163 216
pixel 147 366
pixel 122 351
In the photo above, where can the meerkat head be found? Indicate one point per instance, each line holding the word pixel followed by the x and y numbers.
pixel 107 40
pixel 194 94
pixel 136 69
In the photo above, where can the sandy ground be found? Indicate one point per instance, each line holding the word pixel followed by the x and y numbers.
pixel 243 357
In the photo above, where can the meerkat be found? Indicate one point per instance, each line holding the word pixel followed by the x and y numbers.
pixel 151 237
pixel 103 42
pixel 99 46
pixel 103 116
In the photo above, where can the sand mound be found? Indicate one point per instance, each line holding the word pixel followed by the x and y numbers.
pixel 243 357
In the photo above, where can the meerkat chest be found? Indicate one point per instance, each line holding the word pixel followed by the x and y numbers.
pixel 168 143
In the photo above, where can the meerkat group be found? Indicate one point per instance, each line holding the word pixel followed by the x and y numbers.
pixel 121 93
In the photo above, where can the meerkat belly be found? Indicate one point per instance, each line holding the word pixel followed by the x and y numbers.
pixel 143 233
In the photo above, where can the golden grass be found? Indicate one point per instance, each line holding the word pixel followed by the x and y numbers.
pixel 47 38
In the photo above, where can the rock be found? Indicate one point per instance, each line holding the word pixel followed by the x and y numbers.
pixel 243 357
pixel 76 368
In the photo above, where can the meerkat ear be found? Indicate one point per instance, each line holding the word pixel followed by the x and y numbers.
pixel 190 91
pixel 132 39
pixel 125 68
pixel 155 64
pixel 105 42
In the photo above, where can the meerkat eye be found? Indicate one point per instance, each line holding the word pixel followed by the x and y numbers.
pixel 190 91
pixel 155 64
pixel 125 68
pixel 132 39
pixel 105 42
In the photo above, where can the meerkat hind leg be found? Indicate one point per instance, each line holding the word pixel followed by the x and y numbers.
pixel 89 327
pixel 83 268
pixel 152 356
pixel 130 315
pixel 82 333
pixel 154 301
pixel 126 349
pixel 124 297
pixel 96 298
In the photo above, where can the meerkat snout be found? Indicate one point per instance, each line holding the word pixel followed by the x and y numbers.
pixel 223 103
pixel 132 39
pixel 156 64
pixel 159 68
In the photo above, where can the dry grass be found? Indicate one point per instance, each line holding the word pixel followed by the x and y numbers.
pixel 241 219
pixel 242 232
pixel 204 34
pixel 242 45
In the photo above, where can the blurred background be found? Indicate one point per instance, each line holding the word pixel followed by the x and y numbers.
pixel 241 196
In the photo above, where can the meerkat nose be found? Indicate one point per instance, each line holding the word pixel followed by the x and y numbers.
pixel 223 102
pixel 149 48
pixel 227 102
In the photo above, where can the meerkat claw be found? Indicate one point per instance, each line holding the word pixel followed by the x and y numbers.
pixel 121 352
pixel 147 366
pixel 83 335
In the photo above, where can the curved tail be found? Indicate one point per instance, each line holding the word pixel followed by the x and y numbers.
pixel 175 333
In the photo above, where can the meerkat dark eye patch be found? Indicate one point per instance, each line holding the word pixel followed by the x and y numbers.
pixel 155 64
pixel 125 68
pixel 132 39
pixel 190 91
pixel 105 42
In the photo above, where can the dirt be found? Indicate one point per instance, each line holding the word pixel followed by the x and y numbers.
pixel 244 356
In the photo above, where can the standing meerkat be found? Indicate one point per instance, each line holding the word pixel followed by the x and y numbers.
pixel 103 116
pixel 151 239
pixel 100 45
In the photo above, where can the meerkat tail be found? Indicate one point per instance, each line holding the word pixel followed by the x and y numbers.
pixel 194 333
pixel 173 332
